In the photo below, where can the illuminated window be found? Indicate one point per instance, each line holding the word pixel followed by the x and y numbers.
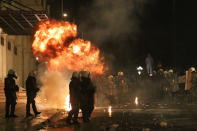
pixel 2 41
pixel 9 46
pixel 15 50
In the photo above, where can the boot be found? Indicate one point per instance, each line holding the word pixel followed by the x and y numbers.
pixel 28 115
pixel 13 115
pixel 37 113
pixel 7 116
pixel 75 121
pixel 68 120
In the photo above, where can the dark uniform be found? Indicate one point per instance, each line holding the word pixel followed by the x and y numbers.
pixel 87 98
pixel 31 91
pixel 74 90
pixel 10 93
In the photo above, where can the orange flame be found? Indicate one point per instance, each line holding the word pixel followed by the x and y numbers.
pixel 136 101
pixel 67 103
pixel 56 43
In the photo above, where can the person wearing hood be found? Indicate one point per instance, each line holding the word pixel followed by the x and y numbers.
pixel 74 91
pixel 31 92
pixel 10 93
pixel 87 96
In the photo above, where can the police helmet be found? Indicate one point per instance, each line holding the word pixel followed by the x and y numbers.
pixel 31 73
pixel 120 73
pixel 11 72
pixel 165 72
pixel 192 69
pixel 110 77
pixel 170 71
pixel 75 74
pixel 85 74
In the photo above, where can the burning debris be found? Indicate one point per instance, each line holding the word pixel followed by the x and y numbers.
pixel 110 111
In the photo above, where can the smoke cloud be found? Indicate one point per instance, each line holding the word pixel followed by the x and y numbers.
pixel 114 26
pixel 111 19
pixel 54 90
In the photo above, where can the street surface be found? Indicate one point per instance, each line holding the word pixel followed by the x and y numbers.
pixel 144 117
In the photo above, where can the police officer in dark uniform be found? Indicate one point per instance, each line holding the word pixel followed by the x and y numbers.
pixel 10 93
pixel 74 90
pixel 31 91
pixel 87 95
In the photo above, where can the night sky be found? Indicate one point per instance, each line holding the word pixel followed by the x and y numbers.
pixel 168 33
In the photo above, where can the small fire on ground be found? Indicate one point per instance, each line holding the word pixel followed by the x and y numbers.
pixel 110 111
pixel 136 101
pixel 67 103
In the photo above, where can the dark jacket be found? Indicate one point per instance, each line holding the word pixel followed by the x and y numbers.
pixel 87 91
pixel 31 87
pixel 10 87
pixel 74 89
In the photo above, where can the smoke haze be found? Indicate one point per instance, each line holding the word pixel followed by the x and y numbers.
pixel 114 26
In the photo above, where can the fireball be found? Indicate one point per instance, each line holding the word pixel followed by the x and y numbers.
pixel 55 42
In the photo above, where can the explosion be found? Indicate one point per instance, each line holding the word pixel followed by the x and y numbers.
pixel 55 42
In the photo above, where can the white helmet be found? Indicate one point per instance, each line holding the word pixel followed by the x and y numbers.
pixel 165 72
pixel 75 74
pixel 161 70
pixel 120 73
pixel 110 77
pixel 85 74
pixel 192 69
pixel 170 71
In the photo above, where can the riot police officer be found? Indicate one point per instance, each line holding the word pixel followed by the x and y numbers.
pixel 31 91
pixel 74 90
pixel 87 95
pixel 10 93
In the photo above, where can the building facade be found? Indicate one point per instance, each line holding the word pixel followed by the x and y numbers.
pixel 18 21
pixel 16 53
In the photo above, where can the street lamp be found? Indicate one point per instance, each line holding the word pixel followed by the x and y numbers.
pixel 139 70
pixel 65 15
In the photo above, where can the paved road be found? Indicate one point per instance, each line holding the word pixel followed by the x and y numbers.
pixel 128 117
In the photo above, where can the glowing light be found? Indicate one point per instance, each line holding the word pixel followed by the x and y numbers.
pixel 55 42
pixel 139 68
pixel 37 58
pixel 65 14
pixel 76 49
pixel 67 103
pixel 136 100
pixel 110 111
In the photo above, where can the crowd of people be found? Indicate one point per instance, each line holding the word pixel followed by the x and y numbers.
pixel 81 91
pixel 118 89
